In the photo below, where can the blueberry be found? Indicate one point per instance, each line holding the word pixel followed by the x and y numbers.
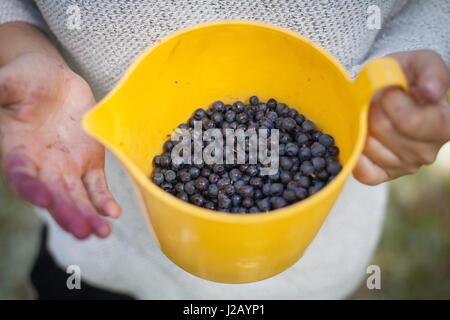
pixel 272 104
pixel 285 177
pixel 318 163
pixel 272 116
pixel 263 204
pixel 262 107
pixel 289 124
pixel 253 210
pixel 334 167
pixel 179 187
pixel 291 185
pixel 317 149
pixel 225 203
pixel 218 106
pixel 278 202
pixel 189 187
pixel 183 196
pixel 210 205
pixel 197 199
pixel 217 117
pixel 158 178
pixel 303 139
pixel 291 149
pixel 259 115
pixel 229 190
pixel 316 135
pixel 236 200
pixel 166 186
pixel 238 184
pixel 242 117
pixel 219 168
pixel 306 168
pixel 254 100
pixel 170 176
pixel 168 145
pixel 205 172
pixel 256 182
pixel 308 126
pixel 246 191
pixel 304 182
pixel 201 183
pixel 199 114
pixel 266 189
pixel 252 171
pixel 304 153
pixel 165 161
pixel 322 175
pixel 213 190
pixel 265 123
pixel 315 187
pixel 326 140
pixel 230 116
pixel 286 163
pixel 213 178
pixel 276 189
pixel 223 182
pixel 292 113
pixel 281 109
pixel 235 174
pixel 209 124
pixel 258 194
pixel 289 195
pixel 242 210
pixel 157 161
pixel 301 193
pixel 238 106
pixel 333 151
pixel 194 172
pixel 247 202
pixel 299 119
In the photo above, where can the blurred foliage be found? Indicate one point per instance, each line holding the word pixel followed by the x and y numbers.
pixel 414 250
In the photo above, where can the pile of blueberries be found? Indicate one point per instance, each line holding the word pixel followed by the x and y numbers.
pixel 308 161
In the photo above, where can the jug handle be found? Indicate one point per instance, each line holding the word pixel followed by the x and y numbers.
pixel 375 75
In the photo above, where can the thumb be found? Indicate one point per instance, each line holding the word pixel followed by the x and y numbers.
pixel 427 74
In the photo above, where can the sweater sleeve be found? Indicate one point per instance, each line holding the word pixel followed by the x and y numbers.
pixel 421 24
pixel 21 10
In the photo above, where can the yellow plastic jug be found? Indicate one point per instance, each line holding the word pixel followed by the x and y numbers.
pixel 228 61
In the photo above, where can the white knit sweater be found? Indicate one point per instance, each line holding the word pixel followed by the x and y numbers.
pixel 113 33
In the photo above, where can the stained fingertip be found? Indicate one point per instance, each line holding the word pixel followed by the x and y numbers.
pixel 30 189
pixel 100 226
pixel 80 229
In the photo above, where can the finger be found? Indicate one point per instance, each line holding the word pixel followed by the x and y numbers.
pixel 97 188
pixel 380 154
pixel 412 153
pixel 385 159
pixel 80 197
pixel 63 209
pixel 427 122
pixel 21 175
pixel 427 74
pixel 368 172
pixel 10 86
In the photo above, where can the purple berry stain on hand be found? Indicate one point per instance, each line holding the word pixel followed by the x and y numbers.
pixel 308 161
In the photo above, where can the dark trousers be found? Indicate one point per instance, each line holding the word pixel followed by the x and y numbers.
pixel 50 281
